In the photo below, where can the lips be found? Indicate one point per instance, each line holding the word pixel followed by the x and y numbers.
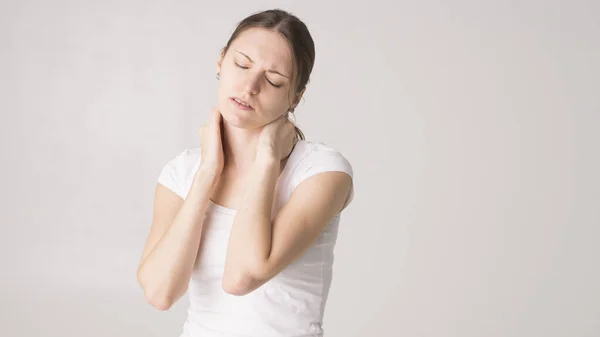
pixel 242 101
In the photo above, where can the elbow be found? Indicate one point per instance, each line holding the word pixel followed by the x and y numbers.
pixel 160 300
pixel 160 303
pixel 238 286
pixel 156 296
pixel 239 283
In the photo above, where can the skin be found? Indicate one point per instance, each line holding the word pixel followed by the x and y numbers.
pixel 244 73
pixel 243 154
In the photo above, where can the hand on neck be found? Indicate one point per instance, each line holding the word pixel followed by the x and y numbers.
pixel 239 147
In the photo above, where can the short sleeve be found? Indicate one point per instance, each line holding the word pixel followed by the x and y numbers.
pixel 174 174
pixel 322 158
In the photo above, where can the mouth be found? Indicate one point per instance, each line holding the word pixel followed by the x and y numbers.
pixel 241 103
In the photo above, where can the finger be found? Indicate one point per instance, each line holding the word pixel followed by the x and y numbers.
pixel 218 123
pixel 201 133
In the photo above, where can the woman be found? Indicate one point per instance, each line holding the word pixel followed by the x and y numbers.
pixel 248 221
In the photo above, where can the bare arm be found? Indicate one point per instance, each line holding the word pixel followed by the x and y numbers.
pixel 172 245
pixel 260 248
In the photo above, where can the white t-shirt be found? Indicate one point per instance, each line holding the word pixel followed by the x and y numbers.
pixel 290 304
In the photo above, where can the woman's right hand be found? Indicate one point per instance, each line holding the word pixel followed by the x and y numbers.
pixel 211 144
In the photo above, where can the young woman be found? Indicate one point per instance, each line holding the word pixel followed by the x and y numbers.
pixel 247 222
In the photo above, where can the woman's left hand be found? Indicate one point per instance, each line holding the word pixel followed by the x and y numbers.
pixel 277 139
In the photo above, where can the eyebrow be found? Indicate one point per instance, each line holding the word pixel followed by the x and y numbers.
pixel 270 70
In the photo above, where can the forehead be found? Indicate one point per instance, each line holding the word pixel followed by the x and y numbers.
pixel 265 46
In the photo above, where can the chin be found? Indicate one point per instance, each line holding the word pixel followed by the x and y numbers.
pixel 239 119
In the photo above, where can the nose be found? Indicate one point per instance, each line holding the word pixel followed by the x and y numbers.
pixel 252 83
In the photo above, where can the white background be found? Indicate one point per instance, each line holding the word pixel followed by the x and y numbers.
pixel 472 127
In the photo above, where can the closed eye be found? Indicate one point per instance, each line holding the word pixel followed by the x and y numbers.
pixel 273 84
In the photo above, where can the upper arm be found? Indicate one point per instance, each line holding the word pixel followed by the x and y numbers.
pixel 168 198
pixel 298 224
pixel 166 206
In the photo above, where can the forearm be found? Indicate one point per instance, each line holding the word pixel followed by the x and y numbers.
pixel 251 236
pixel 166 271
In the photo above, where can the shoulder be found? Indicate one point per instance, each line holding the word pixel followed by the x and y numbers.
pixel 311 158
pixel 178 171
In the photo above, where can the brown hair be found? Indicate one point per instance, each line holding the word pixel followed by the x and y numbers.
pixel 297 35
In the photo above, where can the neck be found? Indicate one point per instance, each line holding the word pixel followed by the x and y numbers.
pixel 239 147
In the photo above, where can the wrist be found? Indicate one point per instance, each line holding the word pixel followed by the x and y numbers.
pixel 211 173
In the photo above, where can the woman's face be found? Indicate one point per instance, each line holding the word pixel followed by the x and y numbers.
pixel 258 70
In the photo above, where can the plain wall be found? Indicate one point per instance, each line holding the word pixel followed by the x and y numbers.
pixel 472 127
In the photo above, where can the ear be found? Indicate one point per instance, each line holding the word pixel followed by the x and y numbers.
pixel 297 98
pixel 220 61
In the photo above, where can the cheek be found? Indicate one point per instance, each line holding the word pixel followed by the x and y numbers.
pixel 275 102
pixel 227 86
